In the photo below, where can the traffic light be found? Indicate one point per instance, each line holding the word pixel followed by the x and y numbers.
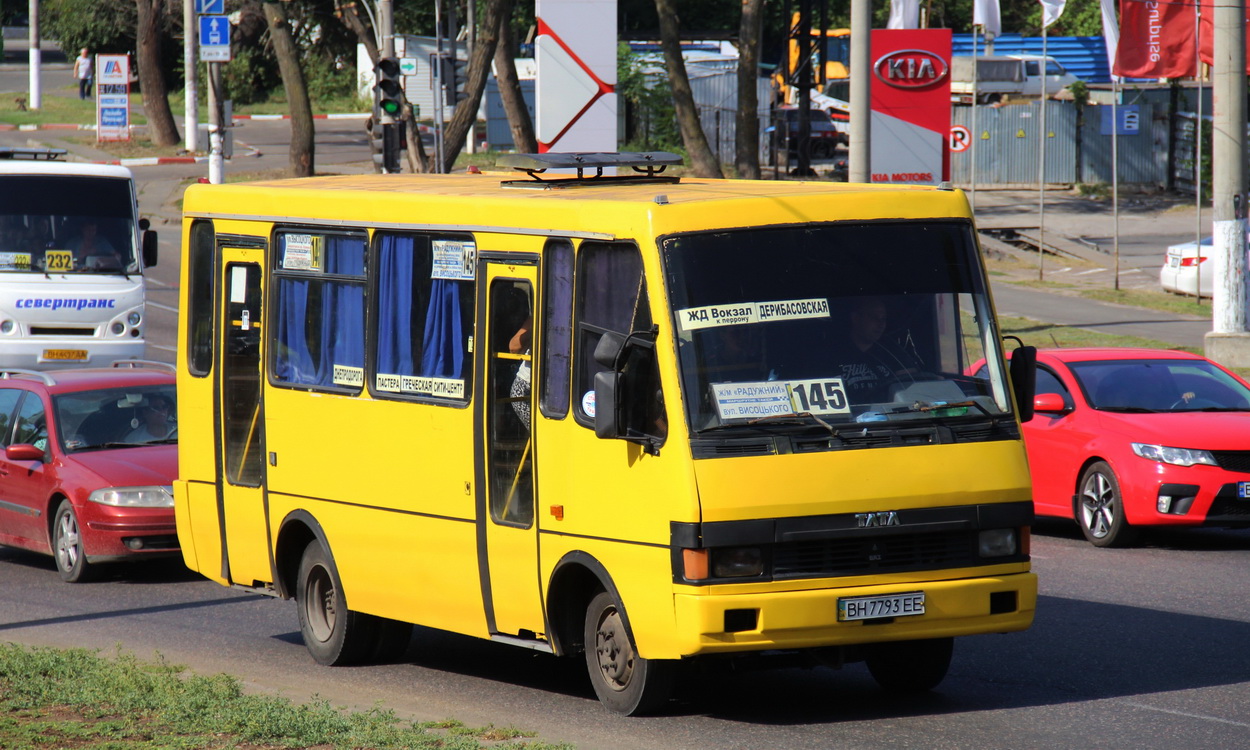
pixel 460 79
pixel 389 87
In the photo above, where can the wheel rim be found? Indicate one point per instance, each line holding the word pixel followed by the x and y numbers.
pixel 1098 505
pixel 67 542
pixel 615 654
pixel 319 603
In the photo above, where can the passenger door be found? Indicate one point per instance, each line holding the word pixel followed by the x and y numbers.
pixel 241 498
pixel 508 531
pixel 25 484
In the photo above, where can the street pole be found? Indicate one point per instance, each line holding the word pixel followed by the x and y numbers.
pixel 859 167
pixel 216 155
pixel 191 122
pixel 1228 342
pixel 386 26
pixel 35 97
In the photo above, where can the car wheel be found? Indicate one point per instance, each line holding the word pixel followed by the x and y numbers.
pixel 1100 508
pixel 910 666
pixel 67 546
pixel 333 634
pixel 625 682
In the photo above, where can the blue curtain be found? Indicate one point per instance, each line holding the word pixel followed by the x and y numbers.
pixel 293 362
pixel 443 355
pixel 340 323
pixel 395 306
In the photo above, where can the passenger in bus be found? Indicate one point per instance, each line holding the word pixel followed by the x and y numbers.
pixel 870 364
pixel 158 424
pixel 92 249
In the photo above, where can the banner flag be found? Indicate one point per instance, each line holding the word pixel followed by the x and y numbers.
pixel 1157 40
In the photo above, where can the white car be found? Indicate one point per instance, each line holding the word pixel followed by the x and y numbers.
pixel 1185 268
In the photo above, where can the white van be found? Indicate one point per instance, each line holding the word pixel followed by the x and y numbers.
pixel 72 255
pixel 999 77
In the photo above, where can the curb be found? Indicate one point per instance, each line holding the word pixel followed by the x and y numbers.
pixel 341 116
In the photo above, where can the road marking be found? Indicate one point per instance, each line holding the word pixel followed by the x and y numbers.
pixel 162 346
pixel 1188 715
pixel 1092 270
pixel 162 307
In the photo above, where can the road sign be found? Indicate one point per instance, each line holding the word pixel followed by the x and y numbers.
pixel 210 7
pixel 961 139
pixel 112 97
pixel 408 66
pixel 214 39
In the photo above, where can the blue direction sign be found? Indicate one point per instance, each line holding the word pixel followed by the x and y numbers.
pixel 210 7
pixel 214 39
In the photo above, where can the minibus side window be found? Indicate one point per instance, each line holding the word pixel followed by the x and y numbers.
pixel 558 327
pixel 611 296
pixel 319 310
pixel 425 312
pixel 200 299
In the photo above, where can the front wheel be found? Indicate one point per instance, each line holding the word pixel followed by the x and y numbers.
pixel 67 546
pixel 1100 508
pixel 333 634
pixel 910 666
pixel 624 681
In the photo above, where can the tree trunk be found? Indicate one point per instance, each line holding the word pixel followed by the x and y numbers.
pixel 161 127
pixel 479 66
pixel 703 161
pixel 349 13
pixel 747 130
pixel 302 147
pixel 510 90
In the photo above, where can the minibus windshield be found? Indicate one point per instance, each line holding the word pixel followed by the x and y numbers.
pixel 66 224
pixel 855 323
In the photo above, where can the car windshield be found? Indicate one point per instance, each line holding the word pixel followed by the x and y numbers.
pixel 58 224
pixel 116 417
pixel 1159 385
pixel 837 323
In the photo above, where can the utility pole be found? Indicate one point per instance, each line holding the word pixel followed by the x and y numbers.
pixel 35 97
pixel 191 105
pixel 1228 342
pixel 860 148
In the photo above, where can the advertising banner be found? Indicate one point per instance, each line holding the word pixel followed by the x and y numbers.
pixel 1156 40
pixel 112 96
pixel 911 105
pixel 575 50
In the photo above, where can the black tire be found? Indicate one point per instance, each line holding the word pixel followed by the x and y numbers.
pixel 333 634
pixel 1100 508
pixel 910 666
pixel 67 546
pixel 625 682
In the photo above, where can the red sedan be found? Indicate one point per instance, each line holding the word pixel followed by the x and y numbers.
pixel 88 465
pixel 1125 438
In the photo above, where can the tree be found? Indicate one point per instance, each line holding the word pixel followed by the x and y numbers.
pixel 102 26
pixel 703 161
pixel 747 130
pixel 519 120
pixel 465 115
pixel 152 21
pixel 302 150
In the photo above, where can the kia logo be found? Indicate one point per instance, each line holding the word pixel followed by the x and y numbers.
pixel 910 69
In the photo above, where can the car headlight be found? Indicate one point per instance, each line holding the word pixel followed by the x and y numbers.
pixel 996 542
pixel 737 562
pixel 1174 456
pixel 134 497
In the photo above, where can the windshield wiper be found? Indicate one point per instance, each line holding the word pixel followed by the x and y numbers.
pixel 1128 409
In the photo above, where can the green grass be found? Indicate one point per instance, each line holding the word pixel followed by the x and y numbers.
pixel 53 698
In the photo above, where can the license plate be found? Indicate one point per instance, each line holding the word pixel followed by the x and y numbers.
pixel 1243 490
pixel 75 355
pixel 873 607
pixel 1174 262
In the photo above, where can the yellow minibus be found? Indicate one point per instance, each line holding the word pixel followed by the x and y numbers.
pixel 633 418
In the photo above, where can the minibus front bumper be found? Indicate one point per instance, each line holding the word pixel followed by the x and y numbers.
pixel 800 619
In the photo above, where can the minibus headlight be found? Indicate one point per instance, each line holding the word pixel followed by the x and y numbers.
pixel 134 497
pixel 737 562
pixel 133 318
pixel 118 328
pixel 6 326
pixel 997 542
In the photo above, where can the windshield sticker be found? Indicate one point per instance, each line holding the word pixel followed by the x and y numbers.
pixel 752 400
pixel 455 260
pixel 302 252
pixel 588 403
pixel 773 398
pixel 15 261
pixel 350 376
pixel 738 313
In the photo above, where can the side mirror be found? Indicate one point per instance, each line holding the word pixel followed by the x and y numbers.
pixel 609 348
pixel 1024 379
pixel 1050 403
pixel 149 247
pixel 23 452
pixel 607 407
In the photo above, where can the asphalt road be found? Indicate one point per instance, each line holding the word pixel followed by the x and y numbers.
pixel 1140 648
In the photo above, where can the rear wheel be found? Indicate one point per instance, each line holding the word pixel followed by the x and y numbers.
pixel 67 546
pixel 1100 508
pixel 333 634
pixel 624 681
pixel 910 666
